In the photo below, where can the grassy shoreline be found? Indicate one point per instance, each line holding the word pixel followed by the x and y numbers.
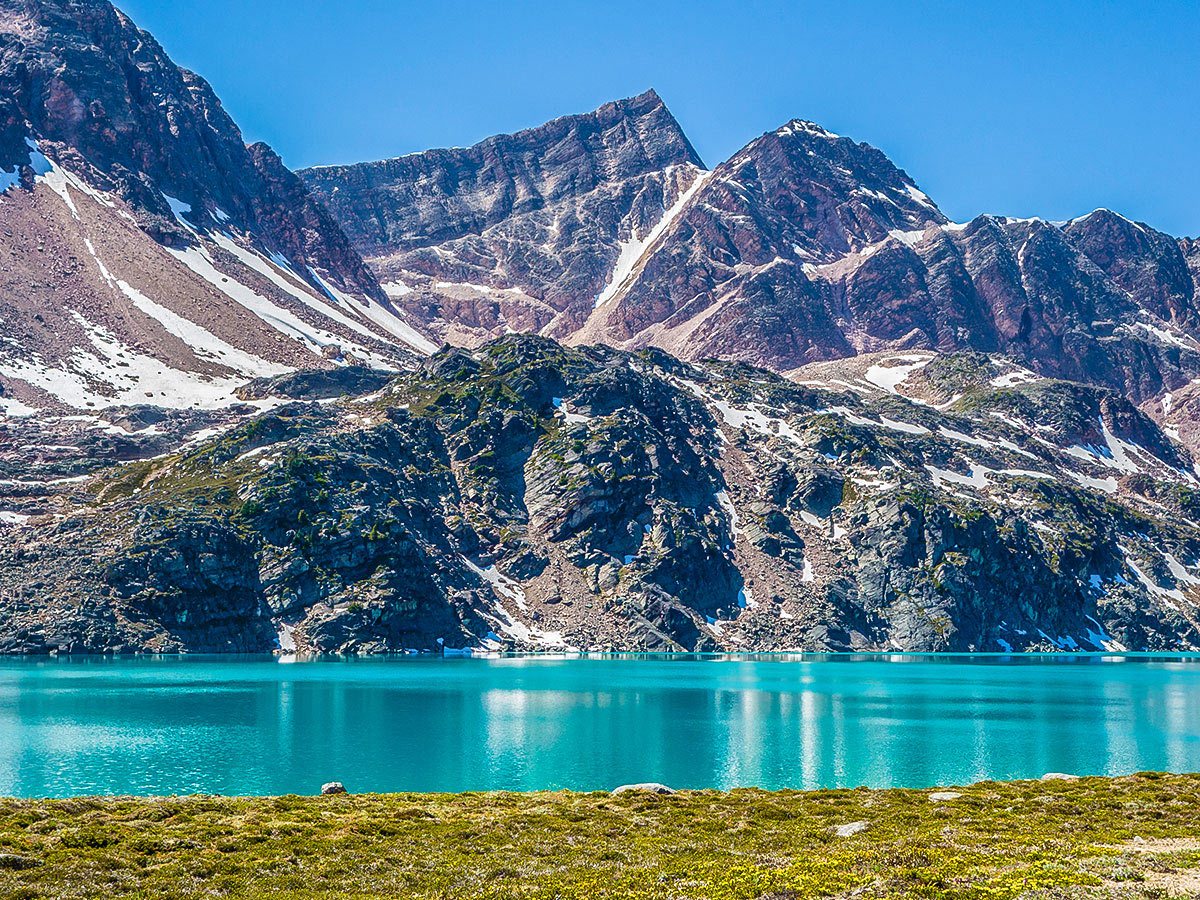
pixel 1136 836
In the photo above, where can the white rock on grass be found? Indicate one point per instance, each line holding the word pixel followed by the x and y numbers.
pixel 1059 776
pixel 333 787
pixel 851 828
pixel 648 787
pixel 943 796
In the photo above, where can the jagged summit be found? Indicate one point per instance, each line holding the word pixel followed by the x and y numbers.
pixel 803 126
pixel 634 107
pixel 732 277
pixel 533 221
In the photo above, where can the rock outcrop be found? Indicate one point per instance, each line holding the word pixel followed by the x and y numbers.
pixel 529 496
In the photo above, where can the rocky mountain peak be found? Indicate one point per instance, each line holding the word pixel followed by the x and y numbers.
pixel 1148 265
pixel 426 199
pixel 151 257
pixel 83 77
pixel 101 97
pixel 732 276
pixel 838 194
pixel 804 246
pixel 534 221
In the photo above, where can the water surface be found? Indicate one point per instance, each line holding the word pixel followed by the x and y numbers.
pixel 260 726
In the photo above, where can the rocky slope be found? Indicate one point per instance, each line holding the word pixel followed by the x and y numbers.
pixel 149 254
pixel 528 496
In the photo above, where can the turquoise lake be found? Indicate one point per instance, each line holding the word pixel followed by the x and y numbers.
pixel 261 726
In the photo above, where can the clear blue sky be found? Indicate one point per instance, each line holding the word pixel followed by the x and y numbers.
pixel 1016 108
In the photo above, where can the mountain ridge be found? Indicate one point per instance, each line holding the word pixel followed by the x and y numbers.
pixel 649 95
pixel 535 219
pixel 719 279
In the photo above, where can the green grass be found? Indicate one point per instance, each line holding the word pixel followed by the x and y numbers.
pixel 998 841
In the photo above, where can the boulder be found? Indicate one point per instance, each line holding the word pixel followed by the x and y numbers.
pixel 851 828
pixel 18 863
pixel 943 796
pixel 649 787
pixel 333 787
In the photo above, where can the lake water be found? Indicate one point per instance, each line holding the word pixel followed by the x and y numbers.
pixel 260 726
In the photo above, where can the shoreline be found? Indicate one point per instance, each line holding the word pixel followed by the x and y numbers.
pixel 765 655
pixel 617 791
pixel 1129 836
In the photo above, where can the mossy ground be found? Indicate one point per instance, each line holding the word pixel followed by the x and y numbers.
pixel 1127 837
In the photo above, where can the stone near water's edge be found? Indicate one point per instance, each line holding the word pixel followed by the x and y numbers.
pixel 645 787
pixel 943 796
pixel 333 787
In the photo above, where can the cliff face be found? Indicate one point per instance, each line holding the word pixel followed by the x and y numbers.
pixel 528 496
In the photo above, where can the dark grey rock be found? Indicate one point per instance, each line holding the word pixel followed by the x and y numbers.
pixel 16 862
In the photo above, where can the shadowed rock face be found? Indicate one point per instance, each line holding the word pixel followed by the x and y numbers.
pixel 529 496
pixel 111 106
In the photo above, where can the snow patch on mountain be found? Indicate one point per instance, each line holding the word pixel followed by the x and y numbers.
pixel 892 372
pixel 384 318
pixel 633 249
pixel 203 342
pixel 113 374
